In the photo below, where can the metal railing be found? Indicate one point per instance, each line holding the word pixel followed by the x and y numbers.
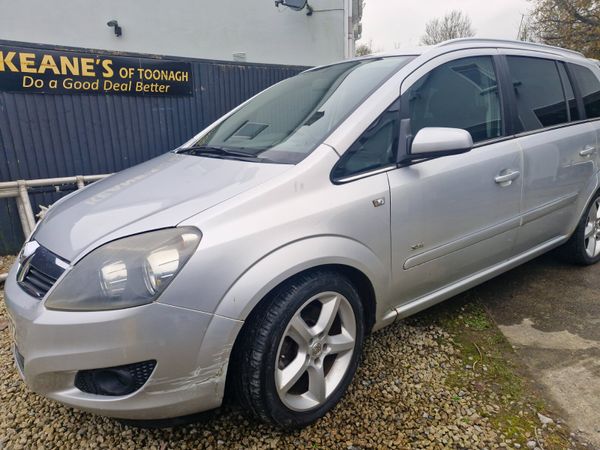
pixel 20 190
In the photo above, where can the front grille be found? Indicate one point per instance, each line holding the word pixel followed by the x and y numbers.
pixel 40 271
pixel 115 381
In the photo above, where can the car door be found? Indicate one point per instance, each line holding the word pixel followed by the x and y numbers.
pixel 454 216
pixel 558 149
pixel 587 82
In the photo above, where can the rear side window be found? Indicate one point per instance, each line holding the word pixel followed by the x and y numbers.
pixel 459 94
pixel 572 102
pixel 538 91
pixel 589 86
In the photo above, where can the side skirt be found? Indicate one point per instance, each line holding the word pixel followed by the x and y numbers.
pixel 415 306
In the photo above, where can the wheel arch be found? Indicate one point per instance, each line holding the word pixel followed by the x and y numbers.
pixel 350 258
pixel 591 192
pixel 359 280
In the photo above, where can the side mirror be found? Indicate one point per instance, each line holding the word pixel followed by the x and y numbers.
pixel 294 4
pixel 435 142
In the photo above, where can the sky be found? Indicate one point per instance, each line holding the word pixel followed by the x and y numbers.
pixel 395 23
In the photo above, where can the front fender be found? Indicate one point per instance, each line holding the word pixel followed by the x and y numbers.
pixel 295 257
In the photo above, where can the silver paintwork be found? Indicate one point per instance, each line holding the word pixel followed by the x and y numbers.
pixel 315 343
pixel 57 344
pixel 166 190
pixel 436 228
pixel 509 43
pixel 439 139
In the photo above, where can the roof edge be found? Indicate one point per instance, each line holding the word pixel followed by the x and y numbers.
pixel 512 43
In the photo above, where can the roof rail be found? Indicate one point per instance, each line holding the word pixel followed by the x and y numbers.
pixel 512 43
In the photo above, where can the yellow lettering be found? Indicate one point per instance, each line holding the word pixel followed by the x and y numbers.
pixel 116 87
pixel 7 61
pixel 27 81
pixel 69 83
pixel 32 82
pixel 87 67
pixel 27 61
pixel 48 63
pixel 108 71
pixel 68 65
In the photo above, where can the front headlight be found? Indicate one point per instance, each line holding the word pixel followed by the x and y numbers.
pixel 127 272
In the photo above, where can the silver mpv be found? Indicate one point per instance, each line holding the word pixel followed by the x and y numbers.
pixel 261 252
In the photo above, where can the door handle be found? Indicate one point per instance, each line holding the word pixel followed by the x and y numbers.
pixel 506 177
pixel 588 150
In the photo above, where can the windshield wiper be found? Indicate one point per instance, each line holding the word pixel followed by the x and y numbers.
pixel 216 150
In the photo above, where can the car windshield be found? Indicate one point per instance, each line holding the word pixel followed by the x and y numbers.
pixel 288 121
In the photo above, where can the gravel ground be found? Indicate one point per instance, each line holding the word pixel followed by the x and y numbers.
pixel 402 397
pixel 5 262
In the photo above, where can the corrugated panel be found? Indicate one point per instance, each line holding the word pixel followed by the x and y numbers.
pixel 64 135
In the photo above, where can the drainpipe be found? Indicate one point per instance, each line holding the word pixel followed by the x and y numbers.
pixel 348 31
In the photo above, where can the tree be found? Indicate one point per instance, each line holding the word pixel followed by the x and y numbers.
pixel 573 24
pixel 526 30
pixel 454 24
pixel 364 49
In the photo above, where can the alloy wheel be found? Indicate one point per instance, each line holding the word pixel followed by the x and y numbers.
pixel 315 351
pixel 592 230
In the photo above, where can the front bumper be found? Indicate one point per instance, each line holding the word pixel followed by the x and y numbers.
pixel 191 349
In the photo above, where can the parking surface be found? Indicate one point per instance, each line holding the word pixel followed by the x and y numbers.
pixel 550 311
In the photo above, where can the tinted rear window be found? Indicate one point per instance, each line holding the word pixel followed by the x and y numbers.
pixel 538 91
pixel 573 108
pixel 589 87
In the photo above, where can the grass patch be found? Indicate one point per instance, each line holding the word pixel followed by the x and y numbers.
pixel 490 369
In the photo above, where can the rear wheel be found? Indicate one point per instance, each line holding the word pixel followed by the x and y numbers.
pixel 300 350
pixel 584 246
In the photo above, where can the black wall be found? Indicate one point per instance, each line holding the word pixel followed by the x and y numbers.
pixel 55 135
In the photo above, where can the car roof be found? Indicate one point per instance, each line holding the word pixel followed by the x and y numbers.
pixel 467 43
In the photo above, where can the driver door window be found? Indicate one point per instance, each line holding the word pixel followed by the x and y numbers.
pixel 459 94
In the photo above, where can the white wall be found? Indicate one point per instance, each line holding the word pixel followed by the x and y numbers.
pixel 212 29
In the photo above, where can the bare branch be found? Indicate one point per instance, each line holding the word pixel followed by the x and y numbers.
pixel 454 24
pixel 364 49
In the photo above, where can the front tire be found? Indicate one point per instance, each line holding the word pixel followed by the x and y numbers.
pixel 584 246
pixel 300 349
